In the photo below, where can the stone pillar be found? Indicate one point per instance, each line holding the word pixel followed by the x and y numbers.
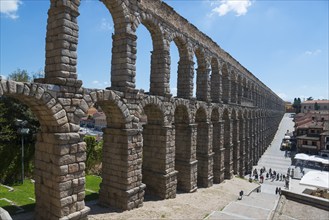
pixel 240 92
pixel 160 71
pixel 219 151
pixel 122 185
pixel 216 87
pixel 228 149
pixel 185 78
pixel 61 43
pixel 123 69
pixel 159 172
pixel 60 176
pixel 248 148
pixel 233 91
pixel 185 157
pixel 204 154
pixel 242 129
pixel 226 89
pixel 236 146
pixel 203 84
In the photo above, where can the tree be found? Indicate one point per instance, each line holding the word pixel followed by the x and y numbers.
pixel 20 76
pixel 297 105
pixel 10 140
pixel 316 106
pixel 94 153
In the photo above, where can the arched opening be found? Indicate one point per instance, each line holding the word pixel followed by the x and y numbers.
pixel 94 59
pixel 228 145
pixel 217 144
pixel 143 58
pixel 185 156
pixel 159 65
pixel 180 73
pixel 18 133
pixel 59 153
pixel 226 85
pixel 91 132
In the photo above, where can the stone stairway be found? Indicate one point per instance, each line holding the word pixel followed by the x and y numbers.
pixel 255 206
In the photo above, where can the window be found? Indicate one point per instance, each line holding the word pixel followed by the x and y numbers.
pixel 304 142
pixel 313 143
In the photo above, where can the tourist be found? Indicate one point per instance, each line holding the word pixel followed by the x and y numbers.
pixel 276 190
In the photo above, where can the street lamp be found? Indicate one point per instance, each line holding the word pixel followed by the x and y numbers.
pixel 22 131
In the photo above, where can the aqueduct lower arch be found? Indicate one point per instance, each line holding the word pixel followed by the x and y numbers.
pixel 194 142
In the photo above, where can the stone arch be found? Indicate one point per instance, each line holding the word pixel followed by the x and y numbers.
pixel 119 137
pixel 58 151
pixel 204 153
pixel 120 14
pixel 154 101
pixel 117 112
pixel 216 81
pixel 226 97
pixel 158 151
pixel 160 68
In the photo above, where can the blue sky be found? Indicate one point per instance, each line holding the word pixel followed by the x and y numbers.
pixel 283 43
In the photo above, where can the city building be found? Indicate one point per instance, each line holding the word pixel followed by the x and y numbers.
pixel 288 107
pixel 312 132
pixel 314 105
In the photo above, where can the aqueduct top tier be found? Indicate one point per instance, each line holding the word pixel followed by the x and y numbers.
pixel 220 78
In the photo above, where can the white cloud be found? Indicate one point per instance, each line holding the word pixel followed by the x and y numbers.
pixel 10 8
pixel 95 82
pixel 106 25
pixel 312 53
pixel 240 7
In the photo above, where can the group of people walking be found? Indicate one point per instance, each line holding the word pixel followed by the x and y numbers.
pixel 270 175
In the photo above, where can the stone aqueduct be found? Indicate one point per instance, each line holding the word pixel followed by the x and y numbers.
pixel 153 143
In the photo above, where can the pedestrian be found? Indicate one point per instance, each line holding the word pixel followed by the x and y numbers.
pixel 277 177
pixel 276 190
pixel 284 177
pixel 256 177
pixel 270 170
pixel 281 177
pixel 279 190
pixel 266 175
pixel 274 173
pixel 241 194
pixel 261 179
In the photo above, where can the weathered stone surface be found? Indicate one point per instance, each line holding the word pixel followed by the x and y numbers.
pixel 176 142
